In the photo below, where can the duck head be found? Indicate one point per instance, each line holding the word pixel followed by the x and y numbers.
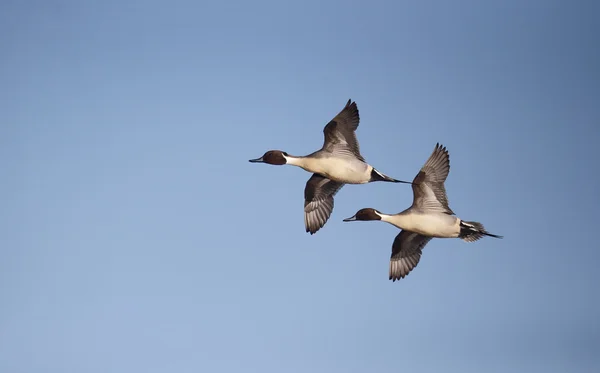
pixel 365 215
pixel 274 157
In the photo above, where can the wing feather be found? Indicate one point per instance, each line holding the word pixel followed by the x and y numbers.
pixel 318 201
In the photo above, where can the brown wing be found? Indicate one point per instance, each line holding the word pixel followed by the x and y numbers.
pixel 318 201
pixel 428 188
pixel 406 253
pixel 340 136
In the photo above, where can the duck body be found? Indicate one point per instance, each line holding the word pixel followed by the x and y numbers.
pixel 438 225
pixel 347 170
pixel 428 217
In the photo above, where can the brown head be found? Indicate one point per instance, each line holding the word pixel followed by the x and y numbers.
pixel 274 157
pixel 365 215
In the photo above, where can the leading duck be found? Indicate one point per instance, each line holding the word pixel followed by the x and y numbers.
pixel 337 163
pixel 428 217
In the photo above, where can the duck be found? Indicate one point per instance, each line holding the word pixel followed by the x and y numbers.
pixel 337 163
pixel 428 217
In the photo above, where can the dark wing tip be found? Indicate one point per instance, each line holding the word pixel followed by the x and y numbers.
pixel 353 110
pixel 395 277
pixel 314 228
pixel 439 148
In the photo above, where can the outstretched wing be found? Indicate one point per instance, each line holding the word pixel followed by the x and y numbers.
pixel 406 253
pixel 340 136
pixel 428 188
pixel 318 201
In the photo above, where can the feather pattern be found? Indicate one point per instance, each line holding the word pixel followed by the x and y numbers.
pixel 429 193
pixel 340 136
pixel 406 253
pixel 318 201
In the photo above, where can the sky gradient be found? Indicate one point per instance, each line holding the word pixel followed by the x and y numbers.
pixel 136 237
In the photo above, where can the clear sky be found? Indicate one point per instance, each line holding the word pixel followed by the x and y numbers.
pixel 136 237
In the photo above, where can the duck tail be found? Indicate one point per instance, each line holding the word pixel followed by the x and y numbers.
pixel 471 231
pixel 379 176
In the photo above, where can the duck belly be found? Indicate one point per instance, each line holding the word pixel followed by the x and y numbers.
pixel 342 170
pixel 435 225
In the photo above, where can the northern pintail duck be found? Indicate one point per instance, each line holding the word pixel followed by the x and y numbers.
pixel 337 163
pixel 428 217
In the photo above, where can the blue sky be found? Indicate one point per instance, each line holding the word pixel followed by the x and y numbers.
pixel 135 235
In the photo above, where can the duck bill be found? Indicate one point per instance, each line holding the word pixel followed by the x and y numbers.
pixel 257 160
pixel 351 219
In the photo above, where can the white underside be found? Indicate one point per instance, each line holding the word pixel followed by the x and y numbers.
pixel 337 169
pixel 433 225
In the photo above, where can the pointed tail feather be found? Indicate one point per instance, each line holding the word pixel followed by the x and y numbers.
pixel 379 176
pixel 471 231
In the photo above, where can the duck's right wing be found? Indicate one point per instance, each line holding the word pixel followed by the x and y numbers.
pixel 318 201
pixel 340 137
pixel 406 253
